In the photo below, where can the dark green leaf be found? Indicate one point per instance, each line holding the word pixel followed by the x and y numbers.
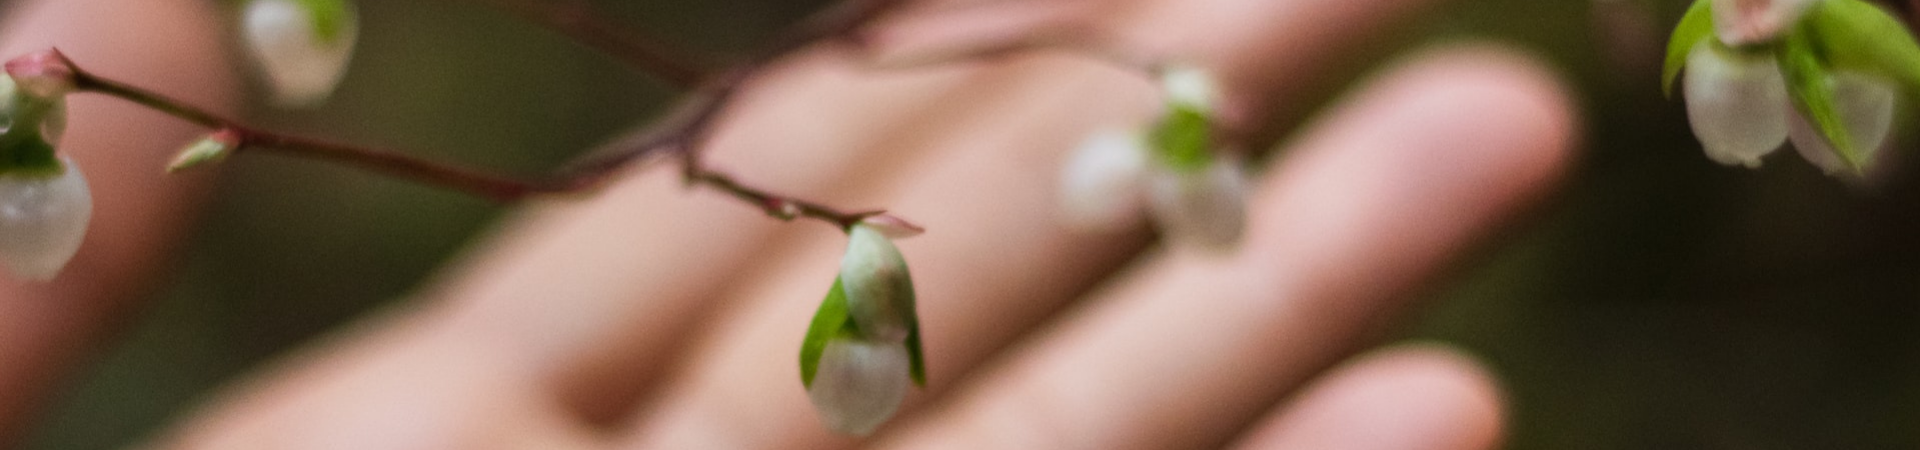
pixel 1858 36
pixel 1694 27
pixel 1808 83
pixel 1183 139
pixel 828 323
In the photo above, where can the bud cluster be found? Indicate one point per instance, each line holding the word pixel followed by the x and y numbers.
pixel 863 347
pixel 1825 75
pixel 1193 190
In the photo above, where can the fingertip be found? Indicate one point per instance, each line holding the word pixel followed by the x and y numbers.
pixel 1413 397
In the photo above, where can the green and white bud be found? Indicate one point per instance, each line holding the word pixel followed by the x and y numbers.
pixel 1208 207
pixel 1865 104
pixel 302 46
pixel 43 220
pixel 1102 182
pixel 1737 104
pixel 879 289
pixel 859 384
pixel 1190 86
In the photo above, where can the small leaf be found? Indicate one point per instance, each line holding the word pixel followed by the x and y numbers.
pixel 1695 26
pixel 1858 36
pixel 1813 95
pixel 829 322
pixel 329 17
pixel 1183 139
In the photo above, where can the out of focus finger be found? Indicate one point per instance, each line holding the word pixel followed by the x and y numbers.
pixel 1407 398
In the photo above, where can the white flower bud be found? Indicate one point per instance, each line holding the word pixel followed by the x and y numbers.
pixel 43 219
pixel 859 384
pixel 1208 207
pixel 1865 106
pixel 1736 103
pixel 878 287
pixel 1747 22
pixel 1190 86
pixel 303 60
pixel 1101 184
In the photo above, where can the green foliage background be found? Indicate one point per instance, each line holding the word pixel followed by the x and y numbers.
pixel 1658 301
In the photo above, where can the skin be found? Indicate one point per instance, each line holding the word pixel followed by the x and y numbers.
pixel 651 317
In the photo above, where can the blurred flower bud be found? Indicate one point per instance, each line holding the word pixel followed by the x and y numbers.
pixel 1101 184
pixel 879 289
pixel 1207 207
pixel 1737 104
pixel 44 74
pixel 1190 87
pixel 301 45
pixel 17 107
pixel 1741 23
pixel 893 227
pixel 859 384
pixel 210 149
pixel 43 219
pixel 1865 105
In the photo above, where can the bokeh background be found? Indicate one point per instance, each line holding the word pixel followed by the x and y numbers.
pixel 1656 302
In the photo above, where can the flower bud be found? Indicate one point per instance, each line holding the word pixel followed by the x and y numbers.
pixel 1101 184
pixel 859 384
pixel 210 149
pixel 1207 207
pixel 1865 106
pixel 878 287
pixel 43 219
pixel 1737 104
pixel 1741 23
pixel 1190 86
pixel 45 74
pixel 301 45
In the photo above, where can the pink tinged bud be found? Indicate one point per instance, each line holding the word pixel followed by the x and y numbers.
pixel 1103 181
pixel 1736 103
pixel 878 287
pixel 1865 105
pixel 45 74
pixel 1741 23
pixel 1207 207
pixel 302 65
pixel 893 227
pixel 859 384
pixel 43 219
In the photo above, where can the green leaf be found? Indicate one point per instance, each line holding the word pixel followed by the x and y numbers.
pixel 1183 139
pixel 330 17
pixel 828 323
pixel 1808 83
pixel 1695 26
pixel 1859 36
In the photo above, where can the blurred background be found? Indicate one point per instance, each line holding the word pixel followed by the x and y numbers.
pixel 1656 301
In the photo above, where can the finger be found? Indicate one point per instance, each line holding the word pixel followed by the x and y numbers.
pixel 1372 202
pixel 1405 398
pixel 46 329
pixel 994 264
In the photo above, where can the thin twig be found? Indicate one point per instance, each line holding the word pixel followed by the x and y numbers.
pixel 683 139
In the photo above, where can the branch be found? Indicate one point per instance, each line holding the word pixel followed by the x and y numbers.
pixel 682 139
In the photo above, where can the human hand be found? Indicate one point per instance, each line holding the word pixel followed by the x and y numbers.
pixel 651 317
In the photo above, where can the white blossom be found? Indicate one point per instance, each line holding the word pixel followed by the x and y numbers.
pixel 1190 86
pixel 1102 181
pixel 859 384
pixel 43 219
pixel 878 287
pixel 1865 106
pixel 1737 104
pixel 1206 207
pixel 302 64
